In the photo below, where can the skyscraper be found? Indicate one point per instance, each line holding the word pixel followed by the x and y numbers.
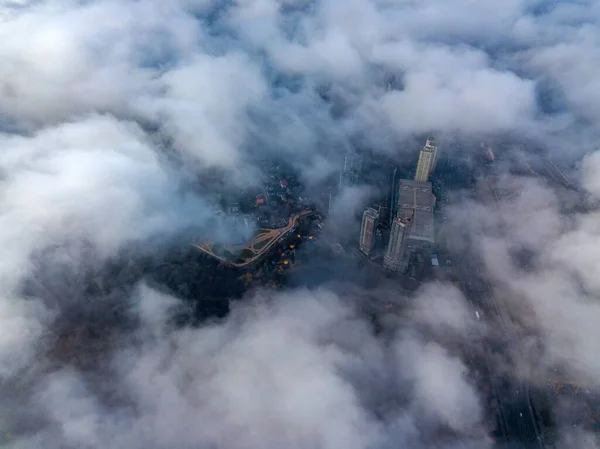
pixel 416 200
pixel 367 230
pixel 330 203
pixel 395 257
pixel 350 176
pixel 392 195
pixel 427 160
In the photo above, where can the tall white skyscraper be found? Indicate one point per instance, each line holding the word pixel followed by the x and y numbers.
pixel 427 160
pixel 395 257
pixel 367 230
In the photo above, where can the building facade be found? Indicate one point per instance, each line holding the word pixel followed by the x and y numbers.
pixel 396 255
pixel 330 203
pixel 392 196
pixel 427 160
pixel 350 175
pixel 367 230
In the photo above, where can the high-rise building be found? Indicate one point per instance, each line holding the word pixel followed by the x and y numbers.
pixel 396 257
pixel 416 200
pixel 367 230
pixel 350 176
pixel 487 152
pixel 330 203
pixel 427 159
pixel 391 200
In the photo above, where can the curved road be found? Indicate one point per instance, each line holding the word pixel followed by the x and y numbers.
pixel 272 235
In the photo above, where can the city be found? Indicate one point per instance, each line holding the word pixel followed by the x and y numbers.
pixel 402 237
pixel 299 224
pixel 405 236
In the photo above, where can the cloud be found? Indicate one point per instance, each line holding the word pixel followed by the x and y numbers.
pixel 203 107
pixel 296 369
pixel 64 59
pixel 110 108
pixel 97 179
pixel 555 290
pixel 441 391
pixel 97 182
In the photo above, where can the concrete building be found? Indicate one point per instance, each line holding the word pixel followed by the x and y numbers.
pixel 331 202
pixel 412 226
pixel 427 160
pixel 416 200
pixel 350 175
pixel 367 230
pixel 488 152
pixel 396 254
pixel 392 195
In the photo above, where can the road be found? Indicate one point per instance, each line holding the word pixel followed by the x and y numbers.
pixel 263 241
pixel 555 174
pixel 518 409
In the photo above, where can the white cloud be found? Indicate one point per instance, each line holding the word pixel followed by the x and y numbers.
pixel 215 81
pixel 204 106
pixel 97 181
pixel 291 371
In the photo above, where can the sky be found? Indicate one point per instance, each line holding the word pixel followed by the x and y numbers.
pixel 108 109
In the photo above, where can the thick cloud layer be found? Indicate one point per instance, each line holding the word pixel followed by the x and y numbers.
pixel 561 284
pixel 538 245
pixel 110 108
pixel 300 369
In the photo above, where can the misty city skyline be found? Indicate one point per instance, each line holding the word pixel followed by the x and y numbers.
pixel 132 130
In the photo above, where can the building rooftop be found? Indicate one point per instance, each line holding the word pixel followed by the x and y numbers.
pixel 430 145
pixel 371 212
pixel 417 197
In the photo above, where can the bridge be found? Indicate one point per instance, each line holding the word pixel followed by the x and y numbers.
pixel 246 253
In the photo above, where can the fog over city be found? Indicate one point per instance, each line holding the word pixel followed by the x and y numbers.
pixel 117 120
